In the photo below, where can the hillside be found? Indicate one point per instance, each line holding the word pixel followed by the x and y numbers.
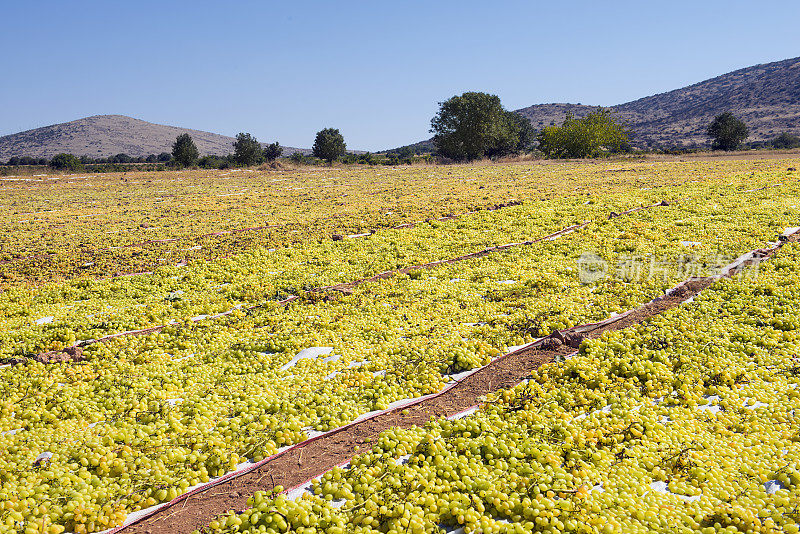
pixel 766 97
pixel 107 135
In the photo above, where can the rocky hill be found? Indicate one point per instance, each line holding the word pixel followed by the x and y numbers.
pixel 766 97
pixel 108 135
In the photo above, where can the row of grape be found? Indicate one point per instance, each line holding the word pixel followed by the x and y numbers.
pixel 712 226
pixel 64 226
pixel 661 427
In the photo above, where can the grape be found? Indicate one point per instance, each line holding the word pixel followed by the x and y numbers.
pixel 143 418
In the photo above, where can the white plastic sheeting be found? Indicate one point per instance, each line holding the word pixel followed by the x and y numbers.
pixel 311 353
pixel 661 487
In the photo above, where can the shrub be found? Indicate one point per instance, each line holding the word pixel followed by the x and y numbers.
pixel 273 151
pixel 475 125
pixel 66 162
pixel 590 136
pixel 247 150
pixel 786 140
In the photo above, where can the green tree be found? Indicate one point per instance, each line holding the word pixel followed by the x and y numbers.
pixel 66 162
pixel 786 140
pixel 184 150
pixel 247 150
pixel 727 132
pixel 405 153
pixel 590 136
pixel 526 134
pixel 329 145
pixel 475 125
pixel 273 151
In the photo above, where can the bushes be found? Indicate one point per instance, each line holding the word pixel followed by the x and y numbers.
pixel 185 151
pixel 66 162
pixel 786 140
pixel 475 125
pixel 273 151
pixel 215 162
pixel 329 145
pixel 247 150
pixel 591 136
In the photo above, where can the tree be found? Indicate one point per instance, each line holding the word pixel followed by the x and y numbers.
pixel 727 132
pixel 329 145
pixel 164 157
pixel 786 140
pixel 66 162
pixel 273 151
pixel 526 134
pixel 405 153
pixel 184 151
pixel 247 150
pixel 590 136
pixel 475 125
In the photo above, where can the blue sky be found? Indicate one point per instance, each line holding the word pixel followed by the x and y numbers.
pixel 375 70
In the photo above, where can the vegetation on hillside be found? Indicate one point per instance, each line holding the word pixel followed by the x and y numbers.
pixel 786 141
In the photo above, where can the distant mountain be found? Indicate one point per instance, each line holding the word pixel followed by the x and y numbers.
pixel 766 97
pixel 108 135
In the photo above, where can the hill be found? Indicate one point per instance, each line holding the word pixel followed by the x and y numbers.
pixel 766 97
pixel 107 135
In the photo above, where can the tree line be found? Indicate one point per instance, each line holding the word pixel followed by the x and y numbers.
pixel 466 127
pixel 475 125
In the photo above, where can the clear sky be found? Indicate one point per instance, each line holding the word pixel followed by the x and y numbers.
pixel 374 69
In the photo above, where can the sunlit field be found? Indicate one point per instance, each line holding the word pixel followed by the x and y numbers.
pixel 162 329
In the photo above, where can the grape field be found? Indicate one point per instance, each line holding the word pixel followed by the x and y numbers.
pixel 162 333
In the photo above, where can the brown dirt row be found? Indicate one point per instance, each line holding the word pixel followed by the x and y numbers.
pixel 299 464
